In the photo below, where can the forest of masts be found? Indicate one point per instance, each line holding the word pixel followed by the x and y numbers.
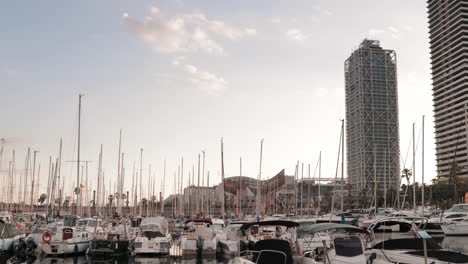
pixel 21 189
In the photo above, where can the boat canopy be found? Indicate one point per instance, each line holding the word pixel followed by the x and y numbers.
pixel 272 251
pixel 407 244
pixel 328 226
pixel 403 226
pixel 150 221
pixel 7 230
pixel 154 226
pixel 206 221
pixel 285 223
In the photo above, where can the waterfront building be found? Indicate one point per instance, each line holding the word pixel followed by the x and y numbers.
pixel 372 129
pixel 449 56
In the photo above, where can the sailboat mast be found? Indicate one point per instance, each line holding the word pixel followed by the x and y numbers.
pixel 422 168
pixel 197 206
pixel 99 185
pixel 308 190
pixel 222 182
pixel 118 170
pixel 182 213
pixel 414 173
pixel 239 197
pixel 302 189
pixel 375 178
pixel 258 181
pixel 57 181
pixel 320 175
pixel 385 179
pixel 163 187
pixel 78 190
pixel 342 162
pixel 26 178
pixel 203 184
pixel 141 177
pixel 31 208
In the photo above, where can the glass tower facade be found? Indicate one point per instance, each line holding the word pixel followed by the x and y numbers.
pixel 373 143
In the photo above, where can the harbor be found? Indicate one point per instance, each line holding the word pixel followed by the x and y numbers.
pixel 242 132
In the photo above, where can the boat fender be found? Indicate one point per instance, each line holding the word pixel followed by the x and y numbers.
pixel 46 237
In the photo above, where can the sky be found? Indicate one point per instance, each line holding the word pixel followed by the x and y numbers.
pixel 177 76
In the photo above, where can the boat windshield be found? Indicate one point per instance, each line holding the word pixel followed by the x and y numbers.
pixel 69 221
pixel 348 246
pixel 151 228
pixel 233 227
pixel 459 208
pixel 87 223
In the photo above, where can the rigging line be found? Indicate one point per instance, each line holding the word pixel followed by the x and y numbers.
pixel 407 152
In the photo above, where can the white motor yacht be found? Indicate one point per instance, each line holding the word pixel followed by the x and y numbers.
pixel 456 213
pixel 455 228
pixel 411 250
pixel 8 235
pixel 73 237
pixel 153 237
pixel 229 240
pixel 6 217
pixel 199 238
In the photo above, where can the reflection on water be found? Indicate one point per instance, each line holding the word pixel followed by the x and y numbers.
pixel 459 244
pixel 121 260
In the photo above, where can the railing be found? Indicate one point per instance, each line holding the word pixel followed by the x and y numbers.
pixel 249 254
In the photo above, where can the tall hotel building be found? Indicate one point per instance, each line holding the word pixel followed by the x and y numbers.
pixel 373 143
pixel 448 30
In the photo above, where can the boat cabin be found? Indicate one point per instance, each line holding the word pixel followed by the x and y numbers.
pixel 70 220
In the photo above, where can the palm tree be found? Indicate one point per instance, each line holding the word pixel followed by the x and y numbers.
pixel 406 173
pixel 42 198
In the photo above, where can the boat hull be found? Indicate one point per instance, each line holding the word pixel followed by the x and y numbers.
pixel 110 248
pixel 156 246
pixel 455 229
pixel 228 248
pixel 65 248
pixel 194 246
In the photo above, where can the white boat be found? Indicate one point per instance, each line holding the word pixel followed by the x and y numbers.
pixel 410 250
pixel 69 238
pixel 456 213
pixel 457 228
pixel 336 243
pixel 153 237
pixel 395 227
pixel 200 238
pixel 8 235
pixel 229 240
pixel 6 217
pixel 272 251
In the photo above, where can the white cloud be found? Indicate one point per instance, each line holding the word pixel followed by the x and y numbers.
pixel 320 92
pixel 323 11
pixel 201 79
pixel 395 36
pixel 407 27
pixel 276 20
pixel 184 32
pixel 393 29
pixel 250 31
pixel 8 71
pixel 374 31
pixel 295 34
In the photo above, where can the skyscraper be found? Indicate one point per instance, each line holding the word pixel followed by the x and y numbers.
pixel 373 143
pixel 449 55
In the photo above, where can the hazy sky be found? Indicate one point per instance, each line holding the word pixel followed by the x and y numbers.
pixel 177 75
